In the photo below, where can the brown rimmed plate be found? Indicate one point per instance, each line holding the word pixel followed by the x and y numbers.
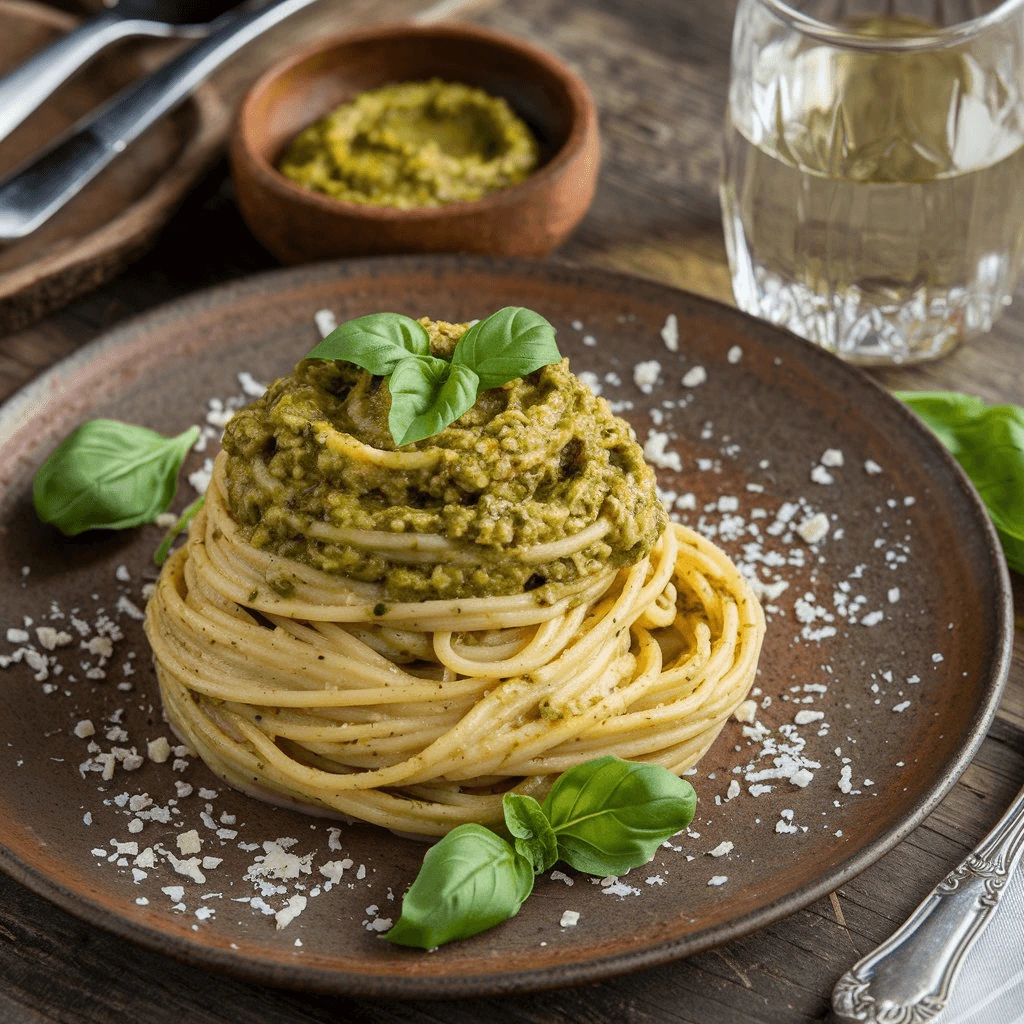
pixel 751 433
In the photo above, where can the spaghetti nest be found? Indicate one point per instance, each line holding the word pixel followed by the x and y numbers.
pixel 418 715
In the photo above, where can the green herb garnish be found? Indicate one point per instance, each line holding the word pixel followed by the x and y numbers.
pixel 988 442
pixel 428 393
pixel 470 881
pixel 611 815
pixel 109 475
pixel 160 556
pixel 603 817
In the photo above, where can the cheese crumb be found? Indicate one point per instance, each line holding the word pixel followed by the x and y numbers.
pixel 820 475
pixel 806 717
pixel 159 750
pixel 694 377
pixel 872 468
pixel 570 918
pixel 832 457
pixel 325 321
pixel 670 333
pixel 721 849
pixel 291 910
pixel 84 729
pixel 189 842
pixel 718 879
pixel 645 375
pixel 656 453
pixel 50 638
pixel 734 355
pixel 814 529
pixel 746 712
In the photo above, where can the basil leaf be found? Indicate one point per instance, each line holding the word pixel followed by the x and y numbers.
pixel 988 442
pixel 427 394
pixel 611 815
pixel 161 553
pixel 378 342
pixel 534 836
pixel 510 343
pixel 470 881
pixel 109 475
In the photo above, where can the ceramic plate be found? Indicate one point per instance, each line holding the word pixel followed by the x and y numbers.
pixel 887 644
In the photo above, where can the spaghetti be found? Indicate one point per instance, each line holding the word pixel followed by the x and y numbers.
pixel 319 690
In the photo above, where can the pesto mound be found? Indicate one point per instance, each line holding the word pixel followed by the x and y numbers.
pixel 535 461
pixel 414 144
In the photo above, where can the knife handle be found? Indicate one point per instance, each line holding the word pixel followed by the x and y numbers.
pixel 35 192
pixel 909 977
pixel 24 89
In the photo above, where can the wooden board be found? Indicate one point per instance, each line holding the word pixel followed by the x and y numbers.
pixel 117 216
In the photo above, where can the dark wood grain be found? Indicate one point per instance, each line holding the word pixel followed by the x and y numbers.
pixel 659 72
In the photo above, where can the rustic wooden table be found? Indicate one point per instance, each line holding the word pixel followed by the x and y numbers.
pixel 659 71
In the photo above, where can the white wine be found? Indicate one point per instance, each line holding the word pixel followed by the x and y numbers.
pixel 884 218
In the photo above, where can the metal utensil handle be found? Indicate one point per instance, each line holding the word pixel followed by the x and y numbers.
pixel 909 977
pixel 25 88
pixel 37 191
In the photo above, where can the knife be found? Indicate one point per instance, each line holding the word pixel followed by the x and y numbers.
pixel 35 192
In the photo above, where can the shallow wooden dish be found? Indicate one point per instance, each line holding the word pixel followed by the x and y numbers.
pixel 116 218
pixel 528 219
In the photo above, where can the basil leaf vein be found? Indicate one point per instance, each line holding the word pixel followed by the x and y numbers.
pixel 611 815
pixel 470 881
pixel 109 475
pixel 534 837
pixel 988 442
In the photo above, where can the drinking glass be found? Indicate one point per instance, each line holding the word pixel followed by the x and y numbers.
pixel 873 176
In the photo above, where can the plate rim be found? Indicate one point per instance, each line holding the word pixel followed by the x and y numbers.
pixel 17 407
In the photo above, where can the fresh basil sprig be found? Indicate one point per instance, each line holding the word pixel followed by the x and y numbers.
pixel 988 442
pixel 470 881
pixel 109 475
pixel 603 817
pixel 428 393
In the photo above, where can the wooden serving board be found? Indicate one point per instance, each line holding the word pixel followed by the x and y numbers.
pixel 118 215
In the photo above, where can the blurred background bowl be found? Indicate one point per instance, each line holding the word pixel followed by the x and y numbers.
pixel 529 219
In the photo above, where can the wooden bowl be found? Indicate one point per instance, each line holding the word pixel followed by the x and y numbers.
pixel 529 219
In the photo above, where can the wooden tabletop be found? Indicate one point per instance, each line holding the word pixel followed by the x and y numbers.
pixel 659 71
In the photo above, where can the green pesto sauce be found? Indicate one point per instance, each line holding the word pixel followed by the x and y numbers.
pixel 534 461
pixel 414 144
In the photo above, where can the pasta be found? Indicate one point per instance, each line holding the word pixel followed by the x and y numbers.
pixel 419 715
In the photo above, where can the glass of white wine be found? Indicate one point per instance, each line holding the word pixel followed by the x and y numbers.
pixel 873 175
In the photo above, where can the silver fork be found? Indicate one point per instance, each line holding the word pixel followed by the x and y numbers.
pixel 25 88
pixel 37 190
pixel 910 976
